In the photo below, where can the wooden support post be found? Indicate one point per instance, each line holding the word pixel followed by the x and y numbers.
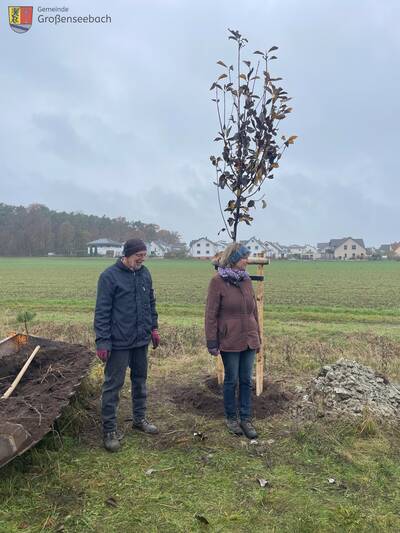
pixel 260 310
pixel 220 370
pixel 260 261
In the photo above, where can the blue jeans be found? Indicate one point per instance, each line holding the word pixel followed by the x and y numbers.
pixel 238 365
pixel 114 377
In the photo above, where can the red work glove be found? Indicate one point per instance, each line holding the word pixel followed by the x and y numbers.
pixel 102 355
pixel 155 338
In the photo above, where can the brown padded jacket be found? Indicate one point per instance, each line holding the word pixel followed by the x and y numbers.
pixel 231 319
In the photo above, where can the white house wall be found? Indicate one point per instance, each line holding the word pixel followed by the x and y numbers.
pixel 155 250
pixel 203 248
pixel 255 247
pixel 102 250
pixel 272 253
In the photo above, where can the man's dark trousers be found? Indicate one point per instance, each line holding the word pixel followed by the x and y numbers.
pixel 114 376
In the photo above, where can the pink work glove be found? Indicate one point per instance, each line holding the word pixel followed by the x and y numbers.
pixel 102 355
pixel 155 338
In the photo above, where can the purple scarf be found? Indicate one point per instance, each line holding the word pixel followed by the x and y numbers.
pixel 233 276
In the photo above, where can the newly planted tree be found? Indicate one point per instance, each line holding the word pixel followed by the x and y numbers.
pixel 250 105
pixel 25 317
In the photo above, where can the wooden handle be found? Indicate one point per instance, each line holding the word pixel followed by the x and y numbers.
pixel 3 341
pixel 10 390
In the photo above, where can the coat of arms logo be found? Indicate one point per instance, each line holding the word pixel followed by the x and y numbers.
pixel 20 18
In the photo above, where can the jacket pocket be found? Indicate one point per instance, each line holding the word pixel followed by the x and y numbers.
pixel 122 332
pixel 223 331
pixel 116 332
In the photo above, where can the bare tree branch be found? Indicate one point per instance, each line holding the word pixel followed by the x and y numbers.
pixel 252 152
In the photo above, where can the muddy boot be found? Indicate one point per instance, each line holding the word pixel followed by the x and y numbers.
pixel 112 441
pixel 145 426
pixel 233 426
pixel 248 429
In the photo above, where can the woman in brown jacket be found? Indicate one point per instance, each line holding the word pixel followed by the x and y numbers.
pixel 231 325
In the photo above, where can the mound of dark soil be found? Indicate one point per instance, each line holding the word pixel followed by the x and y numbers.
pixel 47 386
pixel 206 398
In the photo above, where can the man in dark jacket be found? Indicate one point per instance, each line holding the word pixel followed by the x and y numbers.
pixel 125 322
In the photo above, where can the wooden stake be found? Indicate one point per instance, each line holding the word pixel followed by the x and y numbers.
pixel 260 310
pixel 220 370
pixel 3 341
pixel 10 390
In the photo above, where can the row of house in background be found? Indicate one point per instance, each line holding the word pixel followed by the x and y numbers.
pixel 203 248
pixel 342 249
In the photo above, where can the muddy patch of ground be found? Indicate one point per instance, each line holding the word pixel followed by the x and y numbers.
pixel 206 397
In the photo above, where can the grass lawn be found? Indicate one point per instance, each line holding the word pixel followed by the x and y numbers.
pixel 178 481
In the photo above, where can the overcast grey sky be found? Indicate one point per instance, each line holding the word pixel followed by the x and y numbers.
pixel 116 119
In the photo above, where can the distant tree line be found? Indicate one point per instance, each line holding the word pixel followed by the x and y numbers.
pixel 37 230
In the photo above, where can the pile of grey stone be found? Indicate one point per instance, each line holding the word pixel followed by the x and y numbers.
pixel 348 388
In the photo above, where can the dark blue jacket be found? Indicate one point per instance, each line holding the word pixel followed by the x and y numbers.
pixel 125 311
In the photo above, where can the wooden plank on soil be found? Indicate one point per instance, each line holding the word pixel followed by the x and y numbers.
pixel 10 390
